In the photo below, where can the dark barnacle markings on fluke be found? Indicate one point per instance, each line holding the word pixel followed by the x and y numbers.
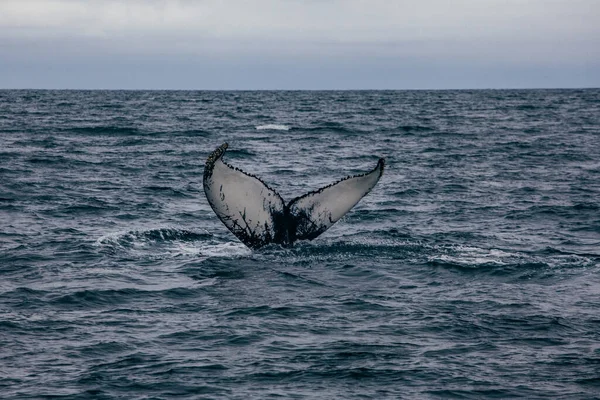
pixel 258 215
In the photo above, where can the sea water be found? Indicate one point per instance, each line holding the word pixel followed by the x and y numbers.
pixel 472 270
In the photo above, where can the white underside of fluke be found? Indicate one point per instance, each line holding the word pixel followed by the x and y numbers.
pixel 258 216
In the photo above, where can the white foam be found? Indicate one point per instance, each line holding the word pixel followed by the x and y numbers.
pixel 473 256
pixel 275 127
pixel 137 243
pixel 229 249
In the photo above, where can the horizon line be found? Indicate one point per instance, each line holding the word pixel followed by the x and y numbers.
pixel 303 90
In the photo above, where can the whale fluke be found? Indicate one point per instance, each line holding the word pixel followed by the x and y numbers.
pixel 258 215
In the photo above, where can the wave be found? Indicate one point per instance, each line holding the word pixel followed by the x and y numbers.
pixel 274 127
pixel 155 235
pixel 106 130
pixel 165 243
pixel 332 127
pixel 510 263
pixel 414 128
pixel 166 190
pixel 500 263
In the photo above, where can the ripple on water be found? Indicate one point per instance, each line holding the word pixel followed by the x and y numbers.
pixel 470 271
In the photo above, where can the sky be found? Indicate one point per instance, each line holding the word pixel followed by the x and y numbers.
pixel 299 44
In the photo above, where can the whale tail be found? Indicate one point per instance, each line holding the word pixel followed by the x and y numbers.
pixel 258 215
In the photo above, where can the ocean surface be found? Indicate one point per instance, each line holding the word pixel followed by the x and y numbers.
pixel 472 270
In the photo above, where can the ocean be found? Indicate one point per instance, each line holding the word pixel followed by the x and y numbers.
pixel 472 269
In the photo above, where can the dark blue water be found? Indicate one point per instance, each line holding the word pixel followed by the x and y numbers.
pixel 471 271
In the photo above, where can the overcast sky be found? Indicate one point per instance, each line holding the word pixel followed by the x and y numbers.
pixel 299 44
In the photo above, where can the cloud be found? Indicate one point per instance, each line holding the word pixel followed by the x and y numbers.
pixel 375 35
pixel 428 26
